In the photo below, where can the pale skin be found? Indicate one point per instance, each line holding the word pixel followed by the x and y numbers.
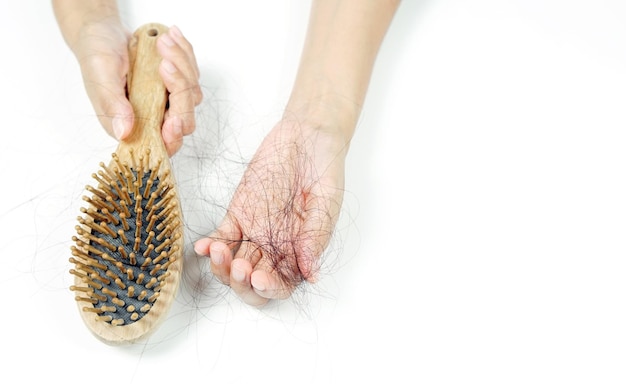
pixel 283 212
pixel 95 34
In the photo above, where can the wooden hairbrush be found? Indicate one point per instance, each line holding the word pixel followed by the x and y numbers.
pixel 128 249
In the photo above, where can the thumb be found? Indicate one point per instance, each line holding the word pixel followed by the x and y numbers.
pixel 122 121
pixel 105 83
pixel 228 233
pixel 113 109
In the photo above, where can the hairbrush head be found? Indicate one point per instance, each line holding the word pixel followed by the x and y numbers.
pixel 128 248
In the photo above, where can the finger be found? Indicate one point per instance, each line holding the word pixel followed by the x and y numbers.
pixel 172 133
pixel 184 87
pixel 105 82
pixel 276 276
pixel 241 269
pixel 269 285
pixel 103 57
pixel 115 114
pixel 202 246
pixel 319 223
pixel 221 258
pixel 229 233
pixel 173 46
pixel 250 251
pixel 309 249
pixel 180 74
pixel 180 117
pixel 220 246
pixel 177 35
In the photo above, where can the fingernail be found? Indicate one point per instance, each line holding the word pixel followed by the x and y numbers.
pixel 167 40
pixel 168 66
pixel 198 250
pixel 259 286
pixel 217 257
pixel 119 126
pixel 175 31
pixel 237 274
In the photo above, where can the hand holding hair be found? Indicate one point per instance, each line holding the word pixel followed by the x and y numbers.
pixel 282 214
pixel 285 208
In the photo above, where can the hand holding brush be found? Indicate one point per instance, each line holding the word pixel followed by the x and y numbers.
pixel 128 248
pixel 95 34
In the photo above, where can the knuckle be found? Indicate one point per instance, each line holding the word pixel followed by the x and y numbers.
pixel 190 125
pixel 197 94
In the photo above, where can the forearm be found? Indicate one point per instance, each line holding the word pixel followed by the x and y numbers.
pixel 73 15
pixel 340 49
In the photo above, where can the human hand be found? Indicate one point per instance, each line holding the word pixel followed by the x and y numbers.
pixel 284 210
pixel 102 51
pixel 282 214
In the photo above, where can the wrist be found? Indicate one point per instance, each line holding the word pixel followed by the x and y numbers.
pixel 76 18
pixel 325 109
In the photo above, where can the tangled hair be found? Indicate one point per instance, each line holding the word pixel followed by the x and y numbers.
pixel 295 225
pixel 284 220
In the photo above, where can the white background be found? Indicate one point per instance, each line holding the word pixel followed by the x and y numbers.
pixel 483 232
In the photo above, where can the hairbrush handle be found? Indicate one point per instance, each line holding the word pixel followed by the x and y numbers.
pixel 146 91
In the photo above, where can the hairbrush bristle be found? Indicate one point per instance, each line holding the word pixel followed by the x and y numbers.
pixel 126 241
